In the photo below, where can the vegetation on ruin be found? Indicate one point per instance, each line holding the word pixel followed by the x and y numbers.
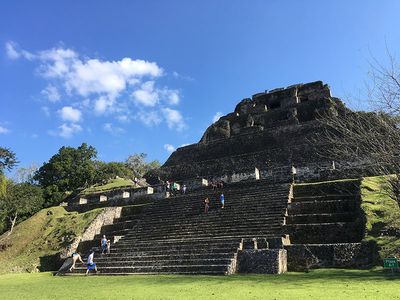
pixel 382 215
pixel 110 185
pixel 34 244
pixel 317 284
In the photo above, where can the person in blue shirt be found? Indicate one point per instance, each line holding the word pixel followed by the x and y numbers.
pixel 103 244
pixel 222 199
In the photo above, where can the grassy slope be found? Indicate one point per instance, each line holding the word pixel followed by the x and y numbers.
pixel 35 241
pixel 112 184
pixel 382 213
pixel 318 284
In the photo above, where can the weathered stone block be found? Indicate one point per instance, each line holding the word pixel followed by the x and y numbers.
pixel 262 261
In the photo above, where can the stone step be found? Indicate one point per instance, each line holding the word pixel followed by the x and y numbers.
pixel 337 187
pixel 177 247
pixel 210 221
pixel 234 198
pixel 324 233
pixel 160 257
pixel 137 262
pixel 320 218
pixel 227 210
pixel 245 233
pixel 331 206
pixel 179 269
pixel 82 273
pixel 326 197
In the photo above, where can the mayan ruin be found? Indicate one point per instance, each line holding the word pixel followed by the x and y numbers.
pixel 179 150
pixel 278 215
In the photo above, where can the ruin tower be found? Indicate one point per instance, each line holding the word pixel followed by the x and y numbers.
pixel 270 132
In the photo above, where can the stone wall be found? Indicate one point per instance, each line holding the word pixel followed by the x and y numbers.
pixel 349 255
pixel 264 261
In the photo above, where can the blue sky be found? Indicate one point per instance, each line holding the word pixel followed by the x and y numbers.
pixel 150 76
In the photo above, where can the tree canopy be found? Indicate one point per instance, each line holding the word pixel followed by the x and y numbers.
pixel 69 169
pixel 8 159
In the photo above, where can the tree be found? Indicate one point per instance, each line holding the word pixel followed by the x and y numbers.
pixel 8 159
pixel 19 200
pixel 106 171
pixel 138 165
pixel 26 174
pixel 69 169
pixel 370 138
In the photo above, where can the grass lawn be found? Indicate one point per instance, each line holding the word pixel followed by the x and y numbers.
pixel 318 284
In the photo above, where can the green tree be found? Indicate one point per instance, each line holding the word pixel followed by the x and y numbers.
pixel 8 159
pixel 20 200
pixel 110 170
pixel 69 169
pixel 138 165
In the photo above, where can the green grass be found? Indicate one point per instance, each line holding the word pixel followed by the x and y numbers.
pixel 382 215
pixel 33 244
pixel 112 184
pixel 319 284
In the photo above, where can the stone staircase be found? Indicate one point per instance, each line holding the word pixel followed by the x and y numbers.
pixel 174 235
pixel 326 226
pixel 325 213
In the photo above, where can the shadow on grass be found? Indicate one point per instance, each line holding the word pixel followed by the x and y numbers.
pixel 321 276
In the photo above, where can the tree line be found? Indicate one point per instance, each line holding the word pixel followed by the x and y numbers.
pixel 66 173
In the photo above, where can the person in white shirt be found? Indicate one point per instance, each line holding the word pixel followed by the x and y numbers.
pixel 90 264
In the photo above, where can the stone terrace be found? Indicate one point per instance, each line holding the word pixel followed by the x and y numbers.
pixel 174 235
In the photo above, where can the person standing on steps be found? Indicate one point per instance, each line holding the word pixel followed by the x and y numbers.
pixel 222 199
pixel 206 205
pixel 90 264
pixel 108 246
pixel 75 257
pixel 103 244
pixel 184 189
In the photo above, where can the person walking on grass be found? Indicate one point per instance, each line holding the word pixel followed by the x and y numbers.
pixel 75 257
pixel 222 199
pixel 103 244
pixel 90 264
pixel 206 205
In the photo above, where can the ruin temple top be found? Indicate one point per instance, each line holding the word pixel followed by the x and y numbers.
pixel 269 131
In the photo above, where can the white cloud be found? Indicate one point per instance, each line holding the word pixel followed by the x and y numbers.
pixel 170 148
pixel 68 113
pixel 51 93
pixel 13 52
pixel 174 119
pixel 171 96
pixel 110 128
pixel 217 116
pixel 99 86
pixel 67 130
pixel 184 145
pixel 103 104
pixel 123 118
pixel 4 130
pixel 149 118
pixel 146 95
